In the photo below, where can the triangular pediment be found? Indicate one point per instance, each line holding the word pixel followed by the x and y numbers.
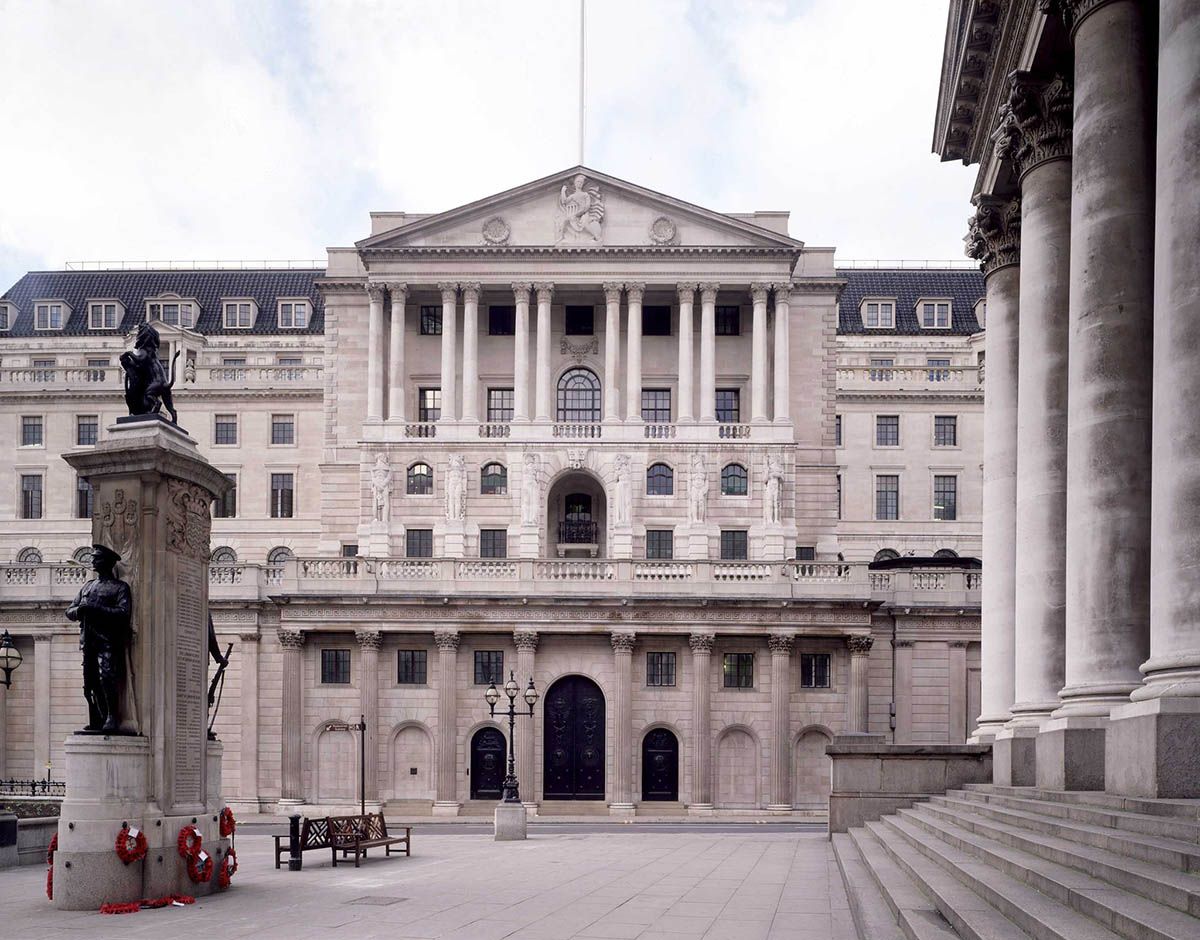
pixel 579 208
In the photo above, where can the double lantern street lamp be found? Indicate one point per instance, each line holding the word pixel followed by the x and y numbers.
pixel 10 659
pixel 511 688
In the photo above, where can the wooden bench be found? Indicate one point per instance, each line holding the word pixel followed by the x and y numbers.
pixel 314 834
pixel 357 834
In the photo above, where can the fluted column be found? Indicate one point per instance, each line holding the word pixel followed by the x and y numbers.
pixel 369 642
pixel 375 354
pixel 43 659
pixel 860 701
pixel 633 354
pixel 447 724
pixel 470 373
pixel 780 645
pixel 449 352
pixel 783 360
pixel 994 241
pixel 622 804
pixel 708 352
pixel 397 374
pixel 683 408
pixel 612 350
pixel 545 291
pixel 758 354
pixel 702 647
pixel 521 352
pixel 526 642
pixel 247 665
pixel 292 705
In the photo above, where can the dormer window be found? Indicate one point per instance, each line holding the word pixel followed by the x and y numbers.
pixel 239 314
pixel 935 314
pixel 879 314
pixel 293 314
pixel 181 313
pixel 981 313
pixel 104 314
pixel 7 315
pixel 49 315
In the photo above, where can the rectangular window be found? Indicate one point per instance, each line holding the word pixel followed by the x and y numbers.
pixel 729 320
pixel 48 317
pixel 739 670
pixel 660 543
pixel 418 543
pixel 32 431
pixel 429 404
pixel 656 320
pixel 87 430
pixel 102 316
pixel 98 363
pixel 502 320
pixel 225 507
pixel 83 499
pixel 431 320
pixel 729 407
pixel 733 545
pixel 290 361
pixel 660 669
pixel 814 671
pixel 879 315
pixel 293 314
pixel 5 316
pixel 579 320
pixel 656 405
pixel 945 430
pixel 837 430
pixel 489 667
pixel 935 316
pixel 43 370
pixel 493 543
pixel 881 369
pixel 283 490
pixel 31 496
pixel 174 314
pixel 806 553
pixel 499 405
pixel 412 667
pixel 887 496
pixel 939 369
pixel 225 428
pixel 887 430
pixel 945 498
pixel 234 362
pixel 238 316
pixel 335 667
pixel 349 549
pixel 839 496
pixel 283 429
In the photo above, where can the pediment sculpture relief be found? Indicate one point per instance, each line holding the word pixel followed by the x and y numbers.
pixel 580 212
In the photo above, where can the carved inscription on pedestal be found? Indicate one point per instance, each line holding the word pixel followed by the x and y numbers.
pixel 190 665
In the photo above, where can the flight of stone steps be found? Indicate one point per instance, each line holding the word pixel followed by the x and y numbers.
pixel 1017 863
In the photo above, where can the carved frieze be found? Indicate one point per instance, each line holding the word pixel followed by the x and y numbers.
pixel 994 233
pixel 578 351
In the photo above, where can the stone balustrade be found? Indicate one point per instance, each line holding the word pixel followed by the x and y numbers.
pixel 60 378
pixel 900 378
pixel 617 431
pixel 260 376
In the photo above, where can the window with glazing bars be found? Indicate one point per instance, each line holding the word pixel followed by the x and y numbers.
pixel 814 671
pixel 225 429
pixel 656 405
pixel 83 499
pixel 32 431
pixel 282 495
pixel 945 430
pixel 660 544
pixel 489 667
pixel 31 496
pixel 660 669
pixel 493 543
pixel 738 669
pixel 887 497
pixel 335 667
pixel 87 429
pixel 729 408
pixel 283 429
pixel 418 543
pixel 945 497
pixel 579 397
pixel 734 481
pixel 499 405
pixel 887 430
pixel 660 480
pixel 412 667
pixel 420 480
pixel 431 320
pixel 837 430
pixel 429 405
pixel 733 545
pixel 225 507
pixel 493 481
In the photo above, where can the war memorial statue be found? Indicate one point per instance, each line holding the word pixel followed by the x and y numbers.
pixel 104 609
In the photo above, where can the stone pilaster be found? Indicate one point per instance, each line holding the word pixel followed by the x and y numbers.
pixel 783 360
pixel 42 691
pixel 702 647
pixel 521 352
pixel 247 657
pixel 470 368
pixel 859 704
pixel 396 369
pixel 708 352
pixel 369 642
pixel 291 791
pixel 526 642
pixel 780 645
pixel 542 404
pixel 375 354
pixel 622 804
pixel 687 299
pixel 446 803
pixel 633 351
pixel 903 653
pixel 758 353
pixel 956 696
pixel 612 350
pixel 449 378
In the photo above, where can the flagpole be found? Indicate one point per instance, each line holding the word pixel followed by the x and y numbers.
pixel 582 72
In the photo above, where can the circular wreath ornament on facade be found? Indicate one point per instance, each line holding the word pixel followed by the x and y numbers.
pixel 131 844
pixel 200 867
pixel 228 823
pixel 190 842
pixel 228 869
pixel 663 231
pixel 495 231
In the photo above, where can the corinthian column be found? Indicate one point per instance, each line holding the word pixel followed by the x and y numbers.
pixel 783 302
pixel 758 354
pixel 526 642
pixel 687 297
pixel 447 803
pixel 375 354
pixel 470 373
pixel 860 659
pixel 612 350
pixel 449 353
pixel 781 739
pixel 542 401
pixel 291 790
pixel 622 804
pixel 708 352
pixel 702 646
pixel 368 690
pixel 633 355
pixel 521 352
pixel 994 241
pixel 396 377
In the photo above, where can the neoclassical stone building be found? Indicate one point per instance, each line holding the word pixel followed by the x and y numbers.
pixel 636 450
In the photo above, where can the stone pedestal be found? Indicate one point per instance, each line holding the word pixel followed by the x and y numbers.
pixel 693 541
pixel 529 542
pixel 1152 749
pixel 377 539
pixel 1014 757
pixel 510 822
pixel 1070 753
pixel 770 542
pixel 620 541
pixel 454 540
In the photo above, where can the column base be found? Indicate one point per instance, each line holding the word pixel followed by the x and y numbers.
pixel 446 808
pixel 1070 753
pixel 621 809
pixel 700 809
pixel 1014 757
pixel 531 810
pixel 510 820
pixel 1152 749
pixel 288 807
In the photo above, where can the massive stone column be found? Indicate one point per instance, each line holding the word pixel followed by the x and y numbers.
pixel 396 372
pixel 1109 397
pixel 446 802
pixel 449 380
pixel 687 299
pixel 860 702
pixel 782 370
pixel 526 642
pixel 702 647
pixel 291 790
pixel 708 352
pixel 622 804
pixel 247 653
pixel 758 354
pixel 994 241
pixel 42 696
pixel 612 350
pixel 470 372
pixel 375 354
pixel 542 404
pixel 633 352
pixel 780 645
pixel 521 352
pixel 1152 744
pixel 369 642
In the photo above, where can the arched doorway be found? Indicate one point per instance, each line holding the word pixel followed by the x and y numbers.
pixel 337 767
pixel 810 775
pixel 489 753
pixel 660 765
pixel 412 765
pixel 737 770
pixel 574 740
pixel 577 516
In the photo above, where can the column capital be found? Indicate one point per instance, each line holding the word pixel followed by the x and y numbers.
pixel 375 293
pixel 780 644
pixel 612 291
pixel 521 291
pixel 398 290
pixel 687 292
pixel 623 642
pixel 446 641
pixel 545 290
pixel 1035 121
pixel 635 291
pixel 369 639
pixel 702 642
pixel 525 641
pixel 783 291
pixel 958 644
pixel 709 291
pixel 248 637
pixel 1071 12
pixel 290 639
pixel 471 291
pixel 903 644
pixel 994 233
pixel 860 644
pixel 449 291
pixel 759 292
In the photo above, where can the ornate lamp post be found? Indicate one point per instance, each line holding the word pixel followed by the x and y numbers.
pixel 510 786
pixel 10 659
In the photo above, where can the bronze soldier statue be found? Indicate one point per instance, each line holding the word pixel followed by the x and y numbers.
pixel 103 608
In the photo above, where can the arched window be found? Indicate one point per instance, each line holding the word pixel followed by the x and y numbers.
pixel 579 396
pixel 886 554
pixel 29 556
pixel 224 555
pixel 420 479
pixel 945 553
pixel 734 481
pixel 279 555
pixel 660 480
pixel 82 555
pixel 493 481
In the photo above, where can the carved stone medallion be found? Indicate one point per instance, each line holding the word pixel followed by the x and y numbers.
pixel 496 231
pixel 663 231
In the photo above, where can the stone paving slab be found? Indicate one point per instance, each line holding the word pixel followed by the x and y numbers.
pixel 600 886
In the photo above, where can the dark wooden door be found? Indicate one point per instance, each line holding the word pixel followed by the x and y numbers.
pixel 574 745
pixel 489 753
pixel 660 765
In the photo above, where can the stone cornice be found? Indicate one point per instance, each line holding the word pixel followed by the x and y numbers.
pixel 330 285
pixel 899 395
pixel 564 252
pixel 994 233
pixel 1035 122
pixel 819 285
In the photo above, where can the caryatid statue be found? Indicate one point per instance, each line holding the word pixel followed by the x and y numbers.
pixel 531 491
pixel 456 488
pixel 697 490
pixel 381 489
pixel 104 610
pixel 624 491
pixel 773 492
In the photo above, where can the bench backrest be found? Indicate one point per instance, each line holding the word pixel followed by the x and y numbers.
pixel 314 833
pixel 354 828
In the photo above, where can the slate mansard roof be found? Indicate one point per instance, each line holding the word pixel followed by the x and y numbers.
pixel 963 287
pixel 134 288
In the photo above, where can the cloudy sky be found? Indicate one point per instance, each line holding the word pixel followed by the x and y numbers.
pixel 267 129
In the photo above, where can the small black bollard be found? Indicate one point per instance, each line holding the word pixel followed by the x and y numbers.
pixel 295 861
